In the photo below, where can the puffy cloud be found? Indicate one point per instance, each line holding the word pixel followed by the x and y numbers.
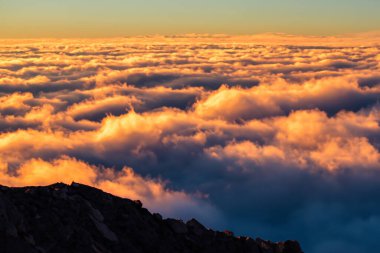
pixel 357 153
pixel 15 103
pixel 329 94
pixel 40 172
pixel 261 137
pixel 97 109
pixel 123 183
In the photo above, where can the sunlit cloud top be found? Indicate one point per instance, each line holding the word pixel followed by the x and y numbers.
pixel 277 140
pixel 101 18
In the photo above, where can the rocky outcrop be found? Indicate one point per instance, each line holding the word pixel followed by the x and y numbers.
pixel 78 218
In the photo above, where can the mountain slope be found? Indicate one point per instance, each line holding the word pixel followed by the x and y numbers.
pixel 78 218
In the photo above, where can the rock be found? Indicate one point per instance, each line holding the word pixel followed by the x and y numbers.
pixel 228 233
pixel 291 246
pixel 157 216
pixel 177 226
pixel 78 218
pixel 195 227
pixel 104 230
pixel 138 203
pixel 267 246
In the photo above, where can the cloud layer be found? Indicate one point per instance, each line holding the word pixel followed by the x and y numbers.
pixel 266 139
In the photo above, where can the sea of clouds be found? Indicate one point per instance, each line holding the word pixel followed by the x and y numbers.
pixel 267 140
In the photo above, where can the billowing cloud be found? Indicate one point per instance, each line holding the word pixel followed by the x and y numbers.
pixel 266 139
pixel 123 183
pixel 328 94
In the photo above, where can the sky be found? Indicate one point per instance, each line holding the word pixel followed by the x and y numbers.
pixel 115 18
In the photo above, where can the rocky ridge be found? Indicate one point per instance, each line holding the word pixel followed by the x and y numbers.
pixel 74 218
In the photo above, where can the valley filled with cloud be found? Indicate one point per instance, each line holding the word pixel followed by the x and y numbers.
pixel 265 139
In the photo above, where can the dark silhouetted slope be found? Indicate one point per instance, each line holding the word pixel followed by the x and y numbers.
pixel 78 218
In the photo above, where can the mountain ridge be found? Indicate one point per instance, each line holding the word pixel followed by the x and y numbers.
pixel 79 218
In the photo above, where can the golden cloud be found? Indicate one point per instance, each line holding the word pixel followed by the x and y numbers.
pixel 190 124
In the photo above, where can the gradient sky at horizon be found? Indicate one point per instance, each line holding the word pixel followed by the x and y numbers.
pixel 110 18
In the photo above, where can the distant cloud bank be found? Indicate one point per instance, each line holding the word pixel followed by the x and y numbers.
pixel 245 133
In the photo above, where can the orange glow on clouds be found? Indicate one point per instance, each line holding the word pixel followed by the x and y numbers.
pixel 176 121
